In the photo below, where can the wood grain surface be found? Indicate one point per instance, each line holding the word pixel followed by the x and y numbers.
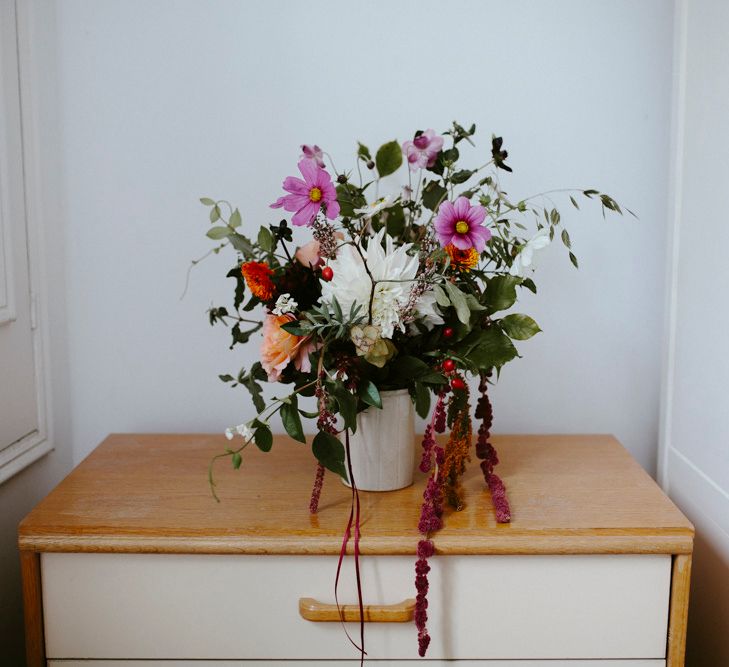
pixel 35 655
pixel 149 493
pixel 678 610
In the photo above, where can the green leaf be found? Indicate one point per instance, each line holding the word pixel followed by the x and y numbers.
pixel 461 176
pixel 501 293
pixel 347 403
pixel 405 368
pixel 529 284
pixel 441 298
pixel 350 197
pixel 363 152
pixel 215 213
pixel 206 201
pixel 574 202
pixel 235 219
pixel 492 350
pixel 519 327
pixel 422 399
pixel 242 245
pixel 237 459
pixel 329 451
pixel 295 328
pixel 263 438
pixel 388 158
pixel 291 420
pixel 217 233
pixel 451 155
pixel 265 239
pixel 566 239
pixel 573 259
pixel 370 394
pixel 458 299
pixel 226 378
pixel 433 194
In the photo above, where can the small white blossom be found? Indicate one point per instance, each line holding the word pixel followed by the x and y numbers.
pixel 242 430
pixel 375 207
pixel 285 304
pixel 525 258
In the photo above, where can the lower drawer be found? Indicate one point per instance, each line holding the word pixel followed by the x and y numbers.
pixel 353 663
pixel 205 607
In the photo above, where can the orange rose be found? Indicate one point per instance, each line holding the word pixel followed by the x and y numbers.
pixel 279 347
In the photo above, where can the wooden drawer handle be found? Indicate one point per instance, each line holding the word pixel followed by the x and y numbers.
pixel 313 610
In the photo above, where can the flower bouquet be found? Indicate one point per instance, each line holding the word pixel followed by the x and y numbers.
pixel 404 291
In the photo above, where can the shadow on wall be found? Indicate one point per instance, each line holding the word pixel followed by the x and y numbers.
pixel 708 625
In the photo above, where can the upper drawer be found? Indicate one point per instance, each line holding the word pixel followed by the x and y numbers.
pixel 227 607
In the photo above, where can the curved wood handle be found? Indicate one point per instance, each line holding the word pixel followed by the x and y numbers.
pixel 313 610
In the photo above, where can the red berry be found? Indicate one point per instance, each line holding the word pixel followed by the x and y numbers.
pixel 448 332
pixel 457 384
pixel 327 273
pixel 449 365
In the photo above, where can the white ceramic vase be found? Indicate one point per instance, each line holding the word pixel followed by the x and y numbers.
pixel 383 447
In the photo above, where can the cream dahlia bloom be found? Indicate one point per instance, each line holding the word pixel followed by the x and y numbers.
pixel 394 272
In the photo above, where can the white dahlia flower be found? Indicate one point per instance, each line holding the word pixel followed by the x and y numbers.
pixel 394 272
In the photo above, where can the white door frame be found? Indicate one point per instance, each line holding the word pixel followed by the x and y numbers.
pixel 38 443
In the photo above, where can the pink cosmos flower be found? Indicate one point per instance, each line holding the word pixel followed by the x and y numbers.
pixel 460 224
pixel 307 197
pixel 313 153
pixel 422 151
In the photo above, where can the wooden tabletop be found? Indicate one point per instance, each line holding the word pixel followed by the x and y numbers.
pixel 149 493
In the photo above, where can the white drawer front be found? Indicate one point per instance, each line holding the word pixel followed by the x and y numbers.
pixel 353 663
pixel 148 606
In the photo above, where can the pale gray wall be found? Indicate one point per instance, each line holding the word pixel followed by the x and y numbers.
pixel 695 442
pixel 163 102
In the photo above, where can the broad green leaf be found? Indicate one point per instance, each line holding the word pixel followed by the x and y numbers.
pixel 519 327
pixel 370 394
pixel 215 213
pixel 265 239
pixel 363 151
pixel 433 194
pixel 217 233
pixel 441 298
pixel 461 176
pixel 501 293
pixel 388 158
pixel 329 451
pixel 237 459
pixel 350 197
pixel 292 421
pixel 235 219
pixel 263 437
pixel 422 399
pixel 493 349
pixel 206 201
pixel 458 299
pixel 242 245
pixel 347 403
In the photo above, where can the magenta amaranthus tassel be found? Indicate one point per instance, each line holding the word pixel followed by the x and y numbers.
pixel 316 491
pixel 485 451
pixel 426 549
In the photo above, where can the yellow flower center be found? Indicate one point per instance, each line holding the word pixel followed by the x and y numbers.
pixel 315 194
pixel 462 227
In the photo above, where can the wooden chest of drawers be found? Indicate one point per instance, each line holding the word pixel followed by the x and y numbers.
pixel 130 561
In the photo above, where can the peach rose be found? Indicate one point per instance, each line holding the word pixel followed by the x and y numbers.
pixel 308 254
pixel 279 347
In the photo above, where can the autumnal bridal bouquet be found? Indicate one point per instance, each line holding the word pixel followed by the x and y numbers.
pixel 398 288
